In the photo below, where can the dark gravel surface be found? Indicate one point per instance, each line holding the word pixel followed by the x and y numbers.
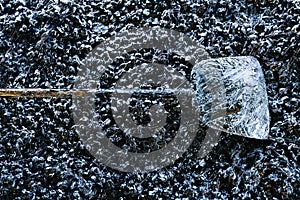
pixel 41 45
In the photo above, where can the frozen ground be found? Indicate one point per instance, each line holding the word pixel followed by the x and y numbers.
pixel 41 45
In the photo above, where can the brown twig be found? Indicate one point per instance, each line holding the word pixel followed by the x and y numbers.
pixel 38 92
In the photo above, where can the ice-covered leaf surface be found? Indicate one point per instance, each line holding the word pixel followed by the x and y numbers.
pixel 42 44
pixel 236 91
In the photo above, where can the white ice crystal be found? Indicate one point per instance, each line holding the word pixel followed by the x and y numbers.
pixel 244 111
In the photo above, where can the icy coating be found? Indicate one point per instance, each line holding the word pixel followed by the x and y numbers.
pixel 246 98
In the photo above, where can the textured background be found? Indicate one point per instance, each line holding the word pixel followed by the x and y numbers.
pixel 41 45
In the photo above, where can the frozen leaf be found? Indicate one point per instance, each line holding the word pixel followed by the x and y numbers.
pixel 244 110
